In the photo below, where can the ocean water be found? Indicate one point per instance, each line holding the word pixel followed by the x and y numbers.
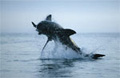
pixel 20 57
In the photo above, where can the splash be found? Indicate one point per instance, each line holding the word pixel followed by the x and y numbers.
pixel 60 51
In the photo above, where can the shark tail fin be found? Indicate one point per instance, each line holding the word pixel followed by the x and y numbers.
pixel 69 32
pixel 34 24
pixel 96 56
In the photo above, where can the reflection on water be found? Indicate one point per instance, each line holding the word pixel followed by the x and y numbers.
pixel 56 68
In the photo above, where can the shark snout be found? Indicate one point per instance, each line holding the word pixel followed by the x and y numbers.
pixel 38 32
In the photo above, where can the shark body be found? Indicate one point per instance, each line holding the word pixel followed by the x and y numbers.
pixel 56 32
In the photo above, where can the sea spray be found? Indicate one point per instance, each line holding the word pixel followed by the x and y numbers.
pixel 59 51
pixel 56 50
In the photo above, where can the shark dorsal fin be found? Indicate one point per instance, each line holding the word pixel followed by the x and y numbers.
pixel 69 32
pixel 49 17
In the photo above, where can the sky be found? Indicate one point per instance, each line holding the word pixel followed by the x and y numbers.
pixel 83 16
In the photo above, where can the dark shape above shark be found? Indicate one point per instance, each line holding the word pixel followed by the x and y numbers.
pixel 56 32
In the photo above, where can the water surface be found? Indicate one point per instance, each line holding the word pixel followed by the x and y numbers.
pixel 20 57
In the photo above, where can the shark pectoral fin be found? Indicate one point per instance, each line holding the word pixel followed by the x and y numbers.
pixel 34 24
pixel 45 45
pixel 49 39
pixel 69 32
pixel 49 17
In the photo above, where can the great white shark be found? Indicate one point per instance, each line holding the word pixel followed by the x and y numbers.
pixel 55 32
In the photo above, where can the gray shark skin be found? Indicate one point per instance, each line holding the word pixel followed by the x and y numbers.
pixel 56 32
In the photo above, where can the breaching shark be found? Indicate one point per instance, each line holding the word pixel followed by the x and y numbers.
pixel 55 32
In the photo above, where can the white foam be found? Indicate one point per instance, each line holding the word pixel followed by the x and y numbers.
pixel 59 51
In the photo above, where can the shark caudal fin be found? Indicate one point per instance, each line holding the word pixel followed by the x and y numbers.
pixel 96 56
pixel 34 24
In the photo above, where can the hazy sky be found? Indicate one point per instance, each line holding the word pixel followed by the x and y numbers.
pixel 80 15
